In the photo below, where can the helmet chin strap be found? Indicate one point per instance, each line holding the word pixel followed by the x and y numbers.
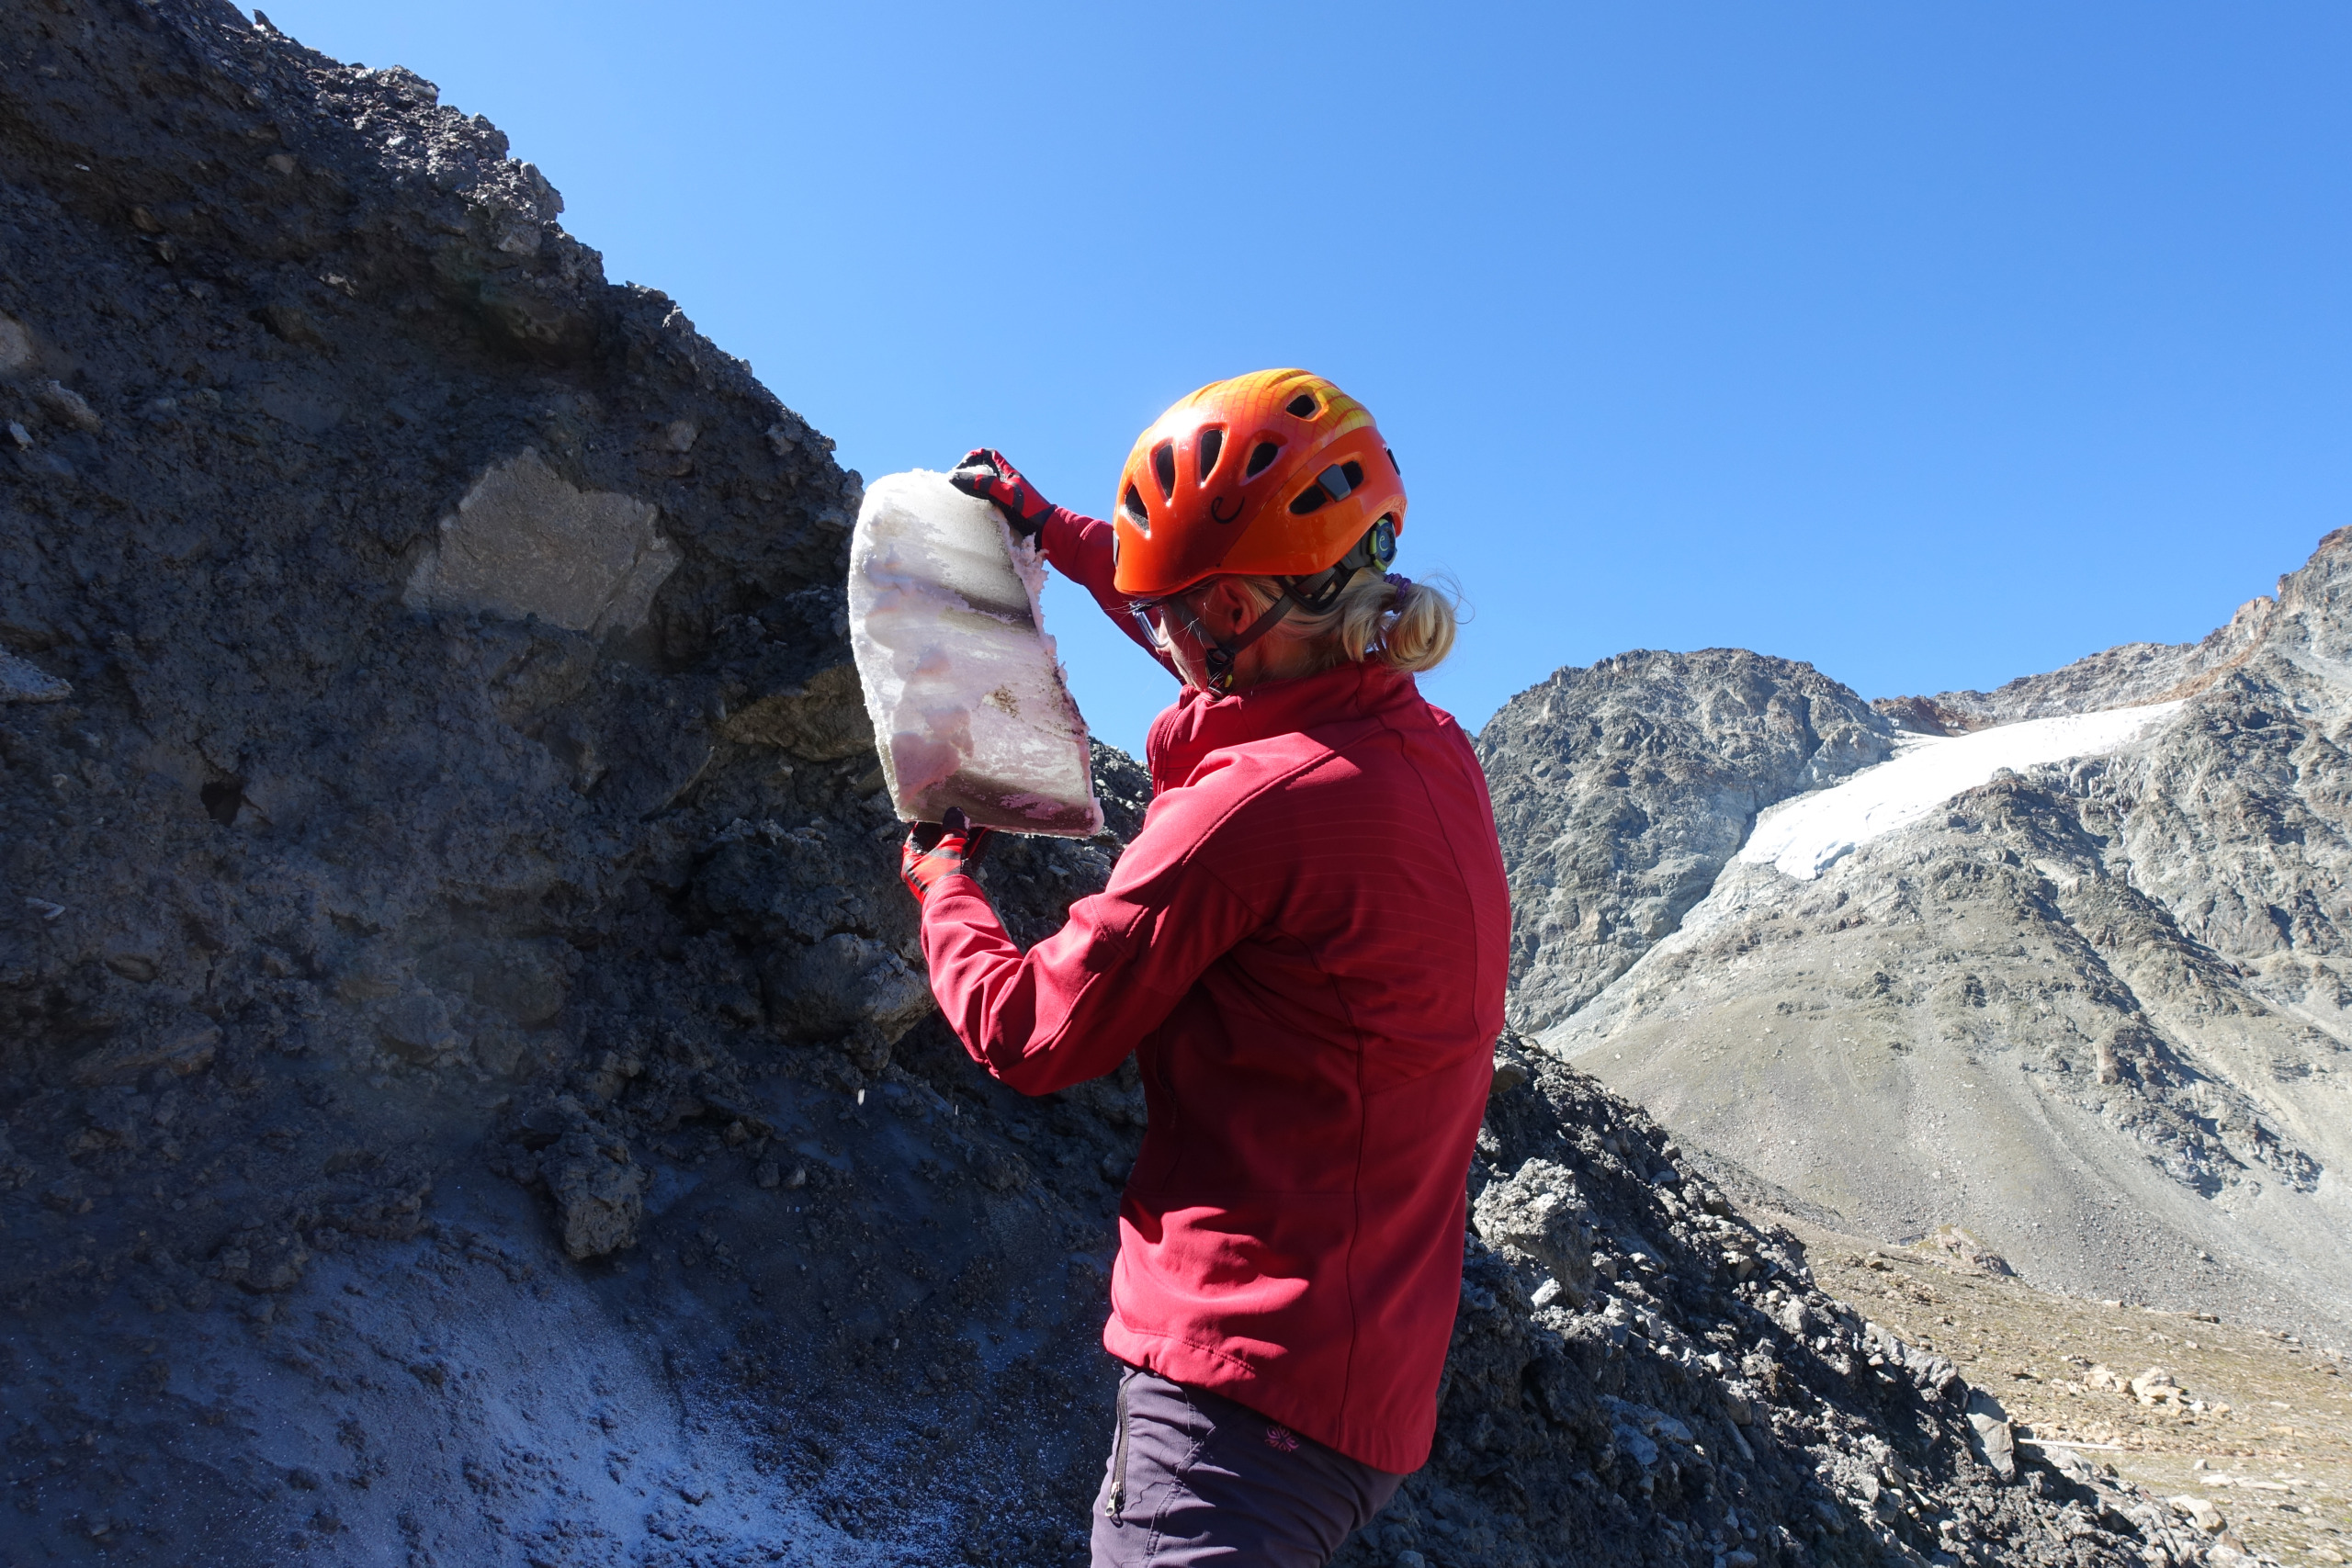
pixel 1218 656
pixel 1316 594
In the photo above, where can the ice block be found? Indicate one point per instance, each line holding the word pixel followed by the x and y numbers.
pixel 969 701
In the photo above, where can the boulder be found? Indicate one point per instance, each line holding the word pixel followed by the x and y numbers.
pixel 1993 1437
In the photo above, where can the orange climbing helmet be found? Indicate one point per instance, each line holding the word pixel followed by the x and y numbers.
pixel 1277 473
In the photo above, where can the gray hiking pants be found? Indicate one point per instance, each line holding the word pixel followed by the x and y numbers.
pixel 1195 1478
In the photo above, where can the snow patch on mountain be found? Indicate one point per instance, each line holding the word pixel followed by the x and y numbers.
pixel 1804 837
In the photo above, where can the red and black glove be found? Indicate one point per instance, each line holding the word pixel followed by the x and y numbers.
pixel 986 474
pixel 936 850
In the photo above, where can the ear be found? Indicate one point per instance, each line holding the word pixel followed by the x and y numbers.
pixel 1228 606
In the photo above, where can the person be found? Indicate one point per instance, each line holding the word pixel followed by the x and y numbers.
pixel 1305 947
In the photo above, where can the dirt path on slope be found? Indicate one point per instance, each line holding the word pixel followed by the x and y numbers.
pixel 2256 1423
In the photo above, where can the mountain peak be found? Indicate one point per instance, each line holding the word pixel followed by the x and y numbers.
pixel 2084 966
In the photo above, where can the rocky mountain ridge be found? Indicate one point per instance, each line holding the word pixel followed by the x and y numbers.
pixel 2091 1012
pixel 1621 790
pixel 2126 676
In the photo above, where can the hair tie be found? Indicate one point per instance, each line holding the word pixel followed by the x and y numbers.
pixel 1399 582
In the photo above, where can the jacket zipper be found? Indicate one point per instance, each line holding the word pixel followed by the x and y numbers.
pixel 1116 1500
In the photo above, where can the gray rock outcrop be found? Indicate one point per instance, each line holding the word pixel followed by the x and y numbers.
pixel 1620 790
pixel 21 681
pixel 449 941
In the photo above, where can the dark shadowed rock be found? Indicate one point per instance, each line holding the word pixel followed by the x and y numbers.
pixel 598 1192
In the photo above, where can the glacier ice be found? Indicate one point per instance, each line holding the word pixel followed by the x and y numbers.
pixel 1804 836
pixel 968 703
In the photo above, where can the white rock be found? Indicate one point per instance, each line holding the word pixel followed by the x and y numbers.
pixel 2200 1512
pixel 21 681
pixel 524 541
pixel 63 403
pixel 1995 1439
pixel 968 703
pixel 17 353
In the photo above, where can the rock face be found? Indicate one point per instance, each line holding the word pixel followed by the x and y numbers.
pixel 1622 789
pixel 2094 1013
pixel 346 536
pixel 2127 676
pixel 466 1093
pixel 450 936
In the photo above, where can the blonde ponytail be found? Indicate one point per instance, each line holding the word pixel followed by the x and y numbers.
pixel 1407 625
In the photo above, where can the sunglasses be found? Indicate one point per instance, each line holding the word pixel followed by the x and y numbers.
pixel 1160 618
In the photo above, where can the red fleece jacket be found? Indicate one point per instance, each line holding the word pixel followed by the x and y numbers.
pixel 1305 947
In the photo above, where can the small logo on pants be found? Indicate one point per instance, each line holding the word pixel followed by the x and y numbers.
pixel 1283 1438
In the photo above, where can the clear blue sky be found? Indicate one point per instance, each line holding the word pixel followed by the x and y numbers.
pixel 1933 344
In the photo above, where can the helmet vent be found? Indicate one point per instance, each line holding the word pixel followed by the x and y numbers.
pixel 1212 448
pixel 1301 406
pixel 1334 483
pixel 1260 455
pixel 1132 505
pixel 1163 469
pixel 1393 462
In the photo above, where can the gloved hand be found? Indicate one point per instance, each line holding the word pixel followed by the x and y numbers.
pixel 986 474
pixel 936 850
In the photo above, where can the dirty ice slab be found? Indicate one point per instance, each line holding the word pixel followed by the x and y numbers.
pixel 968 703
